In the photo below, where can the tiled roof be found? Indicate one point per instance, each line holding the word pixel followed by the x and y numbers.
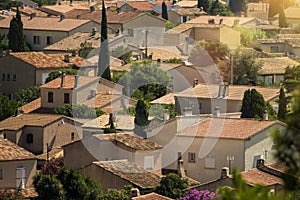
pixel 69 82
pixel 256 176
pixel 77 61
pixel 131 172
pixel 32 106
pixel 276 65
pixel 166 99
pixel 132 141
pixel 23 193
pixel 291 13
pixel 11 151
pixel 46 23
pixel 151 196
pixel 63 9
pixel 227 128
pixel 187 4
pixel 53 153
pixel 141 5
pixel 28 11
pixel 40 60
pixel 236 92
pixel 229 21
pixel 278 166
pixel 186 26
pixel 187 11
pixel 164 52
pixel 30 119
pixel 294 42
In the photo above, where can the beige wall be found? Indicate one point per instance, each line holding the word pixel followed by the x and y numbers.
pixel 107 180
pixel 9 172
pixel 25 75
pixel 38 142
pixel 83 93
pixel 267 47
pixel 145 21
pixel 230 37
pixel 58 97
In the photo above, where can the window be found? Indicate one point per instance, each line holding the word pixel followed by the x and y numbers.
pixel 3 77
pixel 49 40
pixel 36 39
pixel 1 173
pixel 130 32
pixel 29 138
pixel 191 157
pixel 149 162
pixel 50 97
pixel 274 49
pixel 210 162
pixel 14 77
pixel 184 19
pixel 8 77
pixel 66 98
pixel 179 155
pixel 4 135
pixel 21 178
pixel 72 136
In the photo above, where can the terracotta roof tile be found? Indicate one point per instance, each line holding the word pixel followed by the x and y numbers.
pixel 130 172
pixel 151 196
pixel 132 141
pixel 227 128
pixel 188 11
pixel 24 193
pixel 64 9
pixel 165 52
pixel 256 176
pixel 187 4
pixel 76 61
pixel 275 65
pixel 229 21
pixel 30 119
pixel 69 82
pixel 40 60
pixel 166 99
pixel 31 106
pixel 46 23
pixel 281 167
pixel 53 153
pixel 11 151
pixel 236 92
pixel 141 5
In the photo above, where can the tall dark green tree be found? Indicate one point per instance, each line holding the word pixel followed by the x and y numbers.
pixel 141 118
pixel 16 40
pixel 103 62
pixel 218 8
pixel 203 4
pixel 7 107
pixel 237 6
pixel 164 11
pixel 253 105
pixel 282 18
pixel 282 105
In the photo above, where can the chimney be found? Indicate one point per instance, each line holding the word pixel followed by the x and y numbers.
pixel 93 31
pixel 236 22
pixel 158 62
pixel 224 172
pixel 260 163
pixel 134 192
pixel 62 17
pixel 266 115
pixel 195 83
pixel 211 21
pixel 62 83
pixel 67 58
pixel 187 111
pixel 166 115
pixel 225 89
pixel 180 168
pixel 92 8
pixel 32 15
pixel 76 81
pixel 221 21
pixel 220 94
pixel 217 111
pixel 74 53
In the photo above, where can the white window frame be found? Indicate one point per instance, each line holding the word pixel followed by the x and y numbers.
pixel 20 177
pixel 147 160
pixel 210 162
pixel 191 157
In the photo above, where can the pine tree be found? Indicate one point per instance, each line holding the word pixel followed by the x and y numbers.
pixel 253 105
pixel 141 118
pixel 204 4
pixel 164 9
pixel 103 62
pixel 16 41
pixel 282 18
pixel 282 105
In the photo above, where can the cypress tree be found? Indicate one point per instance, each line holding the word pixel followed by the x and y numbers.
pixel 237 6
pixel 246 105
pixel 204 4
pixel 273 7
pixel 164 10
pixel 253 104
pixel 141 118
pixel 16 41
pixel 282 105
pixel 103 62
pixel 282 18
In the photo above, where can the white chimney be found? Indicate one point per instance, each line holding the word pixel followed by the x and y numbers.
pixel 187 111
pixel 225 172
pixel 266 115
pixel 134 192
pixel 260 162
pixel 166 115
pixel 67 58
pixel 76 81
pixel 195 83
pixel 62 83
pixel 180 168
pixel 217 111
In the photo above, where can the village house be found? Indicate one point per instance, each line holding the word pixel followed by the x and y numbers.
pixel 115 146
pixel 39 32
pixel 151 196
pixel 187 4
pixel 204 99
pixel 22 70
pixel 213 143
pixel 39 133
pixel 182 15
pixel 292 17
pixel 17 166
pixel 116 174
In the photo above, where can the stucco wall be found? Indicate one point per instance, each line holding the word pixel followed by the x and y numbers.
pixel 9 172
pixel 37 146
pixel 230 37
pixel 58 97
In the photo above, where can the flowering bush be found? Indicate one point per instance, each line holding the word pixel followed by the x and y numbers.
pixel 52 166
pixel 196 195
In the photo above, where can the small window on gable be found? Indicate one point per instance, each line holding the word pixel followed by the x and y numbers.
pixel 50 97
pixel 3 77
pixel 4 135
pixel 191 157
pixel 49 40
pixel 1 173
pixel 14 77
pixel 36 39
pixel 29 138
pixel 149 162
pixel 8 77
pixel 66 98
pixel 72 136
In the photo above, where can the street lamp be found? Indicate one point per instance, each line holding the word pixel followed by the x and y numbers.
pixel 146 41
pixel 230 159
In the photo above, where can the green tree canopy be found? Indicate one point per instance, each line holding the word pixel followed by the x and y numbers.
pixel 57 73
pixel 250 35
pixel 141 118
pixel 282 18
pixel 85 49
pixel 217 8
pixel 123 53
pixel 172 185
pixel 291 78
pixel 7 107
pixel 27 95
pixel 78 111
pixel 282 105
pixel 3 43
pixel 164 9
pixel 237 6
pixel 217 50
pixel 203 4
pixel 253 105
